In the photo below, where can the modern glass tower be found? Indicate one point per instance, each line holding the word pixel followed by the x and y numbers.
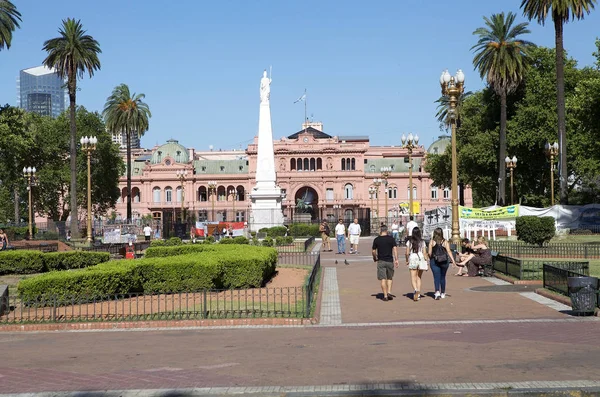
pixel 40 90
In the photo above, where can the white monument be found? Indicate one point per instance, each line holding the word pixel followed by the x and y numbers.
pixel 266 195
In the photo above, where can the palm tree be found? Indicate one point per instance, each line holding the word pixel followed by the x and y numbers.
pixel 562 12
pixel 442 109
pixel 126 112
pixel 72 54
pixel 9 21
pixel 501 57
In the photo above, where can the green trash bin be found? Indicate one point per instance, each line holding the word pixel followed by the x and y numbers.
pixel 583 293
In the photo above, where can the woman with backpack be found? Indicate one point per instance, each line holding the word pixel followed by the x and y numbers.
pixel 416 260
pixel 440 254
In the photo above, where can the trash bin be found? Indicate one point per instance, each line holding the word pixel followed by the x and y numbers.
pixel 583 291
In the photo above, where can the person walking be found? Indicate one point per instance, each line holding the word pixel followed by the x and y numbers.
pixel 3 240
pixel 440 254
pixel 395 230
pixel 385 254
pixel 410 227
pixel 416 260
pixel 325 231
pixel 354 231
pixel 147 232
pixel 340 236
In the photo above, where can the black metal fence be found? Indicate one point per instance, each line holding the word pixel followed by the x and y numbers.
pixel 44 247
pixel 286 302
pixel 553 250
pixel 116 249
pixel 556 275
pixel 531 269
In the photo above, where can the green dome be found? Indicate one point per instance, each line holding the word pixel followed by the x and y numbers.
pixel 173 150
pixel 439 146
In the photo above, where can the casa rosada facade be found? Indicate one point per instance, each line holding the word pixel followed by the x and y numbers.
pixel 325 176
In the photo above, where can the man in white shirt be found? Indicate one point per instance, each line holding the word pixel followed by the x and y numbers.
pixel 410 226
pixel 354 234
pixel 340 236
pixel 147 232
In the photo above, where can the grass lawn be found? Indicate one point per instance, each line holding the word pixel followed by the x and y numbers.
pixel 595 267
pixel 574 238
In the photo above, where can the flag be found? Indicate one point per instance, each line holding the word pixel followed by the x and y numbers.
pixel 301 99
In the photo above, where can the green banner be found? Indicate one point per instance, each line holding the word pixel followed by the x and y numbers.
pixel 512 211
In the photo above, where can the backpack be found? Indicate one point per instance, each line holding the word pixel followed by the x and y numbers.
pixel 327 231
pixel 439 253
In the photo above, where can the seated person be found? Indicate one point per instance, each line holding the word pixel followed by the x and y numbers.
pixel 466 250
pixel 482 255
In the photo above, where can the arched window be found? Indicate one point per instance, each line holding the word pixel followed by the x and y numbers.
pixel 434 192
pixel 136 196
pixel 447 192
pixel 159 156
pixel 293 164
pixel 392 192
pixel 313 165
pixel 414 195
pixel 124 195
pixel 353 164
pixel 221 195
pixel 348 216
pixel 202 193
pixel 156 195
pixel 306 165
pixel 343 164
pixel 299 164
pixel 178 156
pixel 319 164
pixel 178 195
pixel 372 168
pixel 348 191
pixel 241 193
pixel 168 194
pixel 348 167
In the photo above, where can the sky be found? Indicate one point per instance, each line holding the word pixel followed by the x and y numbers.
pixel 369 68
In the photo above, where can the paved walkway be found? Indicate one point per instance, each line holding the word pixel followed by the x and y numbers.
pixel 473 341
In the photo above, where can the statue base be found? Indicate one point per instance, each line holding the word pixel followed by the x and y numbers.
pixel 266 208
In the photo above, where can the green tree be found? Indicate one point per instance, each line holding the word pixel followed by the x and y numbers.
pixel 501 57
pixel 9 21
pixel 127 112
pixel 562 11
pixel 72 54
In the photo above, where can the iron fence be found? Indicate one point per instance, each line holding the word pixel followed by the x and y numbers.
pixel 285 302
pixel 530 269
pixel 116 249
pixel 557 274
pixel 44 247
pixel 553 250
pixel 298 258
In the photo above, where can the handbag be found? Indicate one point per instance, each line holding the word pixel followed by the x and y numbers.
pixel 417 261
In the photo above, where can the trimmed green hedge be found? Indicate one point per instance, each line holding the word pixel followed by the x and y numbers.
pixel 304 229
pixel 534 229
pixel 210 267
pixel 274 231
pixel 28 262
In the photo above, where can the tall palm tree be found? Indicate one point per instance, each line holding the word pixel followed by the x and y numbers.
pixel 72 54
pixel 562 11
pixel 126 112
pixel 9 21
pixel 442 109
pixel 501 57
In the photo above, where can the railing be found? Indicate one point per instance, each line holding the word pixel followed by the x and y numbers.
pixel 44 247
pixel 115 249
pixel 285 302
pixel 556 275
pixel 530 269
pixel 298 258
pixel 553 250
pixel 308 242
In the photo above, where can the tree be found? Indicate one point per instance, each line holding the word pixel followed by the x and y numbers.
pixel 442 110
pixel 562 11
pixel 9 21
pixel 502 58
pixel 126 112
pixel 72 54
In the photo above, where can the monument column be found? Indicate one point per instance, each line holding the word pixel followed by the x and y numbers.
pixel 266 196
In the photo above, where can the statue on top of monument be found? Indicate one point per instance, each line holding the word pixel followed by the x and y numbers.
pixel 265 88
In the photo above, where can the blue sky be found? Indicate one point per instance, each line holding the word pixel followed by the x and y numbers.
pixel 370 68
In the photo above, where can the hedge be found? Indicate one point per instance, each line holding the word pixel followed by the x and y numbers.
pixel 28 262
pixel 535 230
pixel 274 231
pixel 220 267
pixel 304 229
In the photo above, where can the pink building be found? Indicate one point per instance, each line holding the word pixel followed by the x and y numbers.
pixel 332 174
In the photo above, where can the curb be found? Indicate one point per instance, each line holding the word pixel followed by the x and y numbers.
pixel 511 280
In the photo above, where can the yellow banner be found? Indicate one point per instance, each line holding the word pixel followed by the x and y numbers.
pixel 512 211
pixel 416 209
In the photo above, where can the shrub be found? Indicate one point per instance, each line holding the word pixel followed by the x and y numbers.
pixel 289 239
pixel 157 243
pixel 173 241
pixel 241 240
pixel 184 249
pixel 267 242
pixel 73 260
pixel 304 229
pixel 274 231
pixel 220 267
pixel 21 262
pixel 209 239
pixel 535 230
pixel 47 235
pixel 226 241
pixel 279 240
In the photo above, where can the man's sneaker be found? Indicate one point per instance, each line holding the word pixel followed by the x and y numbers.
pixel 436 296
pixel 443 296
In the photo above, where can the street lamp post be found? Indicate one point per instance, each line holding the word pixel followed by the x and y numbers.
pixel 452 88
pixel 377 183
pixel 372 192
pixel 385 174
pixel 511 164
pixel 410 143
pixel 88 145
pixel 233 194
pixel 212 190
pixel 29 175
pixel 182 174
pixel 552 151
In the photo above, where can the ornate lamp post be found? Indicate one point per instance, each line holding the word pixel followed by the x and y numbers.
pixel 372 192
pixel 409 144
pixel 29 175
pixel 452 88
pixel 552 151
pixel 511 164
pixel 181 175
pixel 385 174
pixel 233 194
pixel 377 183
pixel 88 145
pixel 212 190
